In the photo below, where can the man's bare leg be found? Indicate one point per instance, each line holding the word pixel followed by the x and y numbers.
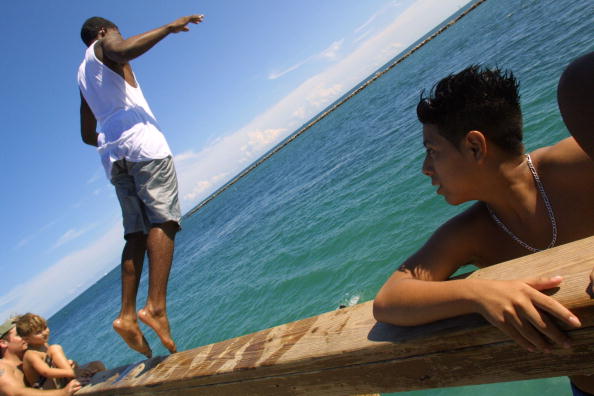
pixel 126 324
pixel 160 244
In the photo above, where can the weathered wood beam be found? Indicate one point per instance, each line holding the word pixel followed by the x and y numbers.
pixel 347 352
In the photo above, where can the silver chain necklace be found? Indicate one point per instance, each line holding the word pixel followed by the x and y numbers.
pixel 543 194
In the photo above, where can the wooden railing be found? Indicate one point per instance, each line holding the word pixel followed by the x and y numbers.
pixel 347 352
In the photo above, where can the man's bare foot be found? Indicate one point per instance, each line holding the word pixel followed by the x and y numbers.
pixel 131 334
pixel 160 325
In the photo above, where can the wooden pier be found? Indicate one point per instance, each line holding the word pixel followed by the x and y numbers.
pixel 346 352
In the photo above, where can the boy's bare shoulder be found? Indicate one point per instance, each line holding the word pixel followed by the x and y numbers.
pixel 564 160
pixel 478 237
pixel 30 355
pixel 470 225
pixel 55 347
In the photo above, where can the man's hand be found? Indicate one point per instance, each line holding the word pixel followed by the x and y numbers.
pixel 72 387
pixel 180 25
pixel 575 95
pixel 521 311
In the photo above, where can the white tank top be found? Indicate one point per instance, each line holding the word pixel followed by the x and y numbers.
pixel 128 127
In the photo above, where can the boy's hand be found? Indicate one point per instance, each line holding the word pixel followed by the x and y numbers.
pixel 72 387
pixel 179 25
pixel 516 308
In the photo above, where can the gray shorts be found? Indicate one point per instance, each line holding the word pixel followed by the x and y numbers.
pixel 147 192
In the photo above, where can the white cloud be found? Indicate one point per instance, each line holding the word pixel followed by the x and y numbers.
pixel 187 155
pixel 332 51
pixel 68 236
pixel 362 36
pixel 366 28
pixel 257 140
pixel 202 186
pixel 65 279
pixel 275 75
pixel 323 95
pixel 96 176
pixel 71 235
pixel 367 22
pixel 25 241
pixel 299 113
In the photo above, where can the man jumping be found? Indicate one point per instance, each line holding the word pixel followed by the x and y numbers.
pixel 138 161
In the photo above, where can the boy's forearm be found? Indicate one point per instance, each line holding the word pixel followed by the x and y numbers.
pixel 410 302
pixel 58 373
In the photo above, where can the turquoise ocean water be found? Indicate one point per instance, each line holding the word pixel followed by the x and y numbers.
pixel 326 220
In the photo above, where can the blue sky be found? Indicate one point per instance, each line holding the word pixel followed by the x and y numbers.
pixel 224 93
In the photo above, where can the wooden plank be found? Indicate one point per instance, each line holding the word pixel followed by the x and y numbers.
pixel 347 352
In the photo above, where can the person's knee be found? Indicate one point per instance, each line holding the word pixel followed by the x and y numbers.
pixel 135 242
pixel 135 238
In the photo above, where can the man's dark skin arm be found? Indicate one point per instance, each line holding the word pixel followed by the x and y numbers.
pixel 88 123
pixel 576 101
pixel 575 95
pixel 122 51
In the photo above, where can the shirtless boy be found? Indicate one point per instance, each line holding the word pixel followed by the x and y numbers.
pixel 12 381
pixel 46 366
pixel 472 132
pixel 139 163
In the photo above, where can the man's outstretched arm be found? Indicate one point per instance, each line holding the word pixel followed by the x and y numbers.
pixel 575 95
pixel 122 51
pixel 88 123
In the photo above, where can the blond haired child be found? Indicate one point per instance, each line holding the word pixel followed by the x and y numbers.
pixel 46 366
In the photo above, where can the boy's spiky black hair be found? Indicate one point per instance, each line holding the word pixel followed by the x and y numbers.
pixel 477 98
